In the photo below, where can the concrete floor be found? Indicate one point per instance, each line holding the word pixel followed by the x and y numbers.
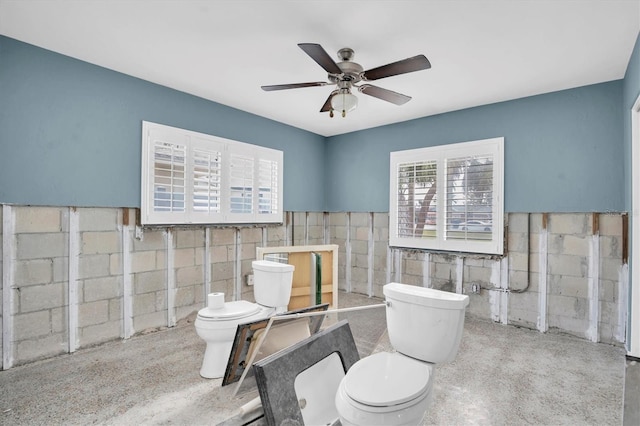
pixel 502 375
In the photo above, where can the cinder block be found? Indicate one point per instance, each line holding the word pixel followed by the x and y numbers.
pixel 102 288
pixel 30 272
pixel 223 237
pixel 360 219
pixel 115 309
pixel 569 307
pixel 100 333
pixel 31 325
pixel 144 304
pixel 115 264
pixel 248 251
pixel 576 245
pixel 190 276
pixel 251 235
pixel 37 220
pixel 142 261
pixel 610 224
pixel 276 235
pixel 93 266
pixel 184 257
pixel 40 297
pixel 611 246
pixel 185 296
pixel 362 233
pixel 59 322
pixel 610 268
pixel 222 271
pixel 151 240
pixel 101 242
pixel 93 313
pixel 98 219
pixel 359 247
pixel 219 254
pixel 337 219
pixel 575 266
pixel 43 347
pixel 150 320
pixel 150 281
pixel 569 223
pixel 187 238
pixel 40 246
pixel 60 269
pixel 518 222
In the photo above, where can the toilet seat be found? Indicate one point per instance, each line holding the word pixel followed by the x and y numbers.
pixel 230 311
pixel 388 379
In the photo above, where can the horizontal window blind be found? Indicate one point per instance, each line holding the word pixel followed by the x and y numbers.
pixel 189 177
pixel 448 197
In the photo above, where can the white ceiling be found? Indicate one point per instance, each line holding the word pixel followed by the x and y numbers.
pixel 481 51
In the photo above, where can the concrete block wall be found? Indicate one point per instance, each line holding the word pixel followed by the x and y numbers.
pixel 580 270
pixel 78 277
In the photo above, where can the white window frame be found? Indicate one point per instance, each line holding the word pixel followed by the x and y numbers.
pixel 439 154
pixel 224 149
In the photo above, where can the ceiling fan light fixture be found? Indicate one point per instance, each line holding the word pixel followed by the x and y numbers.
pixel 344 102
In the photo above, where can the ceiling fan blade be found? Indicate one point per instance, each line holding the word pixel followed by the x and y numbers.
pixel 384 94
pixel 327 104
pixel 404 66
pixel 293 86
pixel 321 56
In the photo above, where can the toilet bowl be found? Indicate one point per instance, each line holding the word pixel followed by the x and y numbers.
pixel 396 388
pixel 217 323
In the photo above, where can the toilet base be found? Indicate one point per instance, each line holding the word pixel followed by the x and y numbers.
pixel 216 357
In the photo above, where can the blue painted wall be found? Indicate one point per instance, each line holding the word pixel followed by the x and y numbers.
pixel 70 135
pixel 70 132
pixel 563 152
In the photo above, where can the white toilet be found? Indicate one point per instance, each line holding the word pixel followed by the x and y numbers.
pixel 425 327
pixel 217 323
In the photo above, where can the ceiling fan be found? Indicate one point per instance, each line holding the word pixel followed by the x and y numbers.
pixel 346 75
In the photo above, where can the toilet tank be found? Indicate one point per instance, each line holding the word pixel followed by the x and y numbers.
pixel 425 323
pixel 272 283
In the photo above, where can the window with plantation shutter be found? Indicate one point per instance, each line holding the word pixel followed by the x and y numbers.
pixel 448 197
pixel 189 177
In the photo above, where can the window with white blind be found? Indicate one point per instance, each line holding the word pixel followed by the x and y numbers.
pixel 448 197
pixel 190 177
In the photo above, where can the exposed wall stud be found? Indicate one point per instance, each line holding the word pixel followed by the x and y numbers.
pixel 495 295
pixel 542 268
pixel 306 228
pixel 72 294
pixel 459 273
pixel 326 222
pixel 347 260
pixel 237 292
pixel 171 282
pixel 127 287
pixel 207 263
pixel 620 332
pixel 504 294
pixel 390 253
pixel 426 270
pixel 593 280
pixel 8 234
pixel 398 266
pixel 370 248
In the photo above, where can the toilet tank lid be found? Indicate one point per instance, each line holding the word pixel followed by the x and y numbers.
pixel 425 296
pixel 270 266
